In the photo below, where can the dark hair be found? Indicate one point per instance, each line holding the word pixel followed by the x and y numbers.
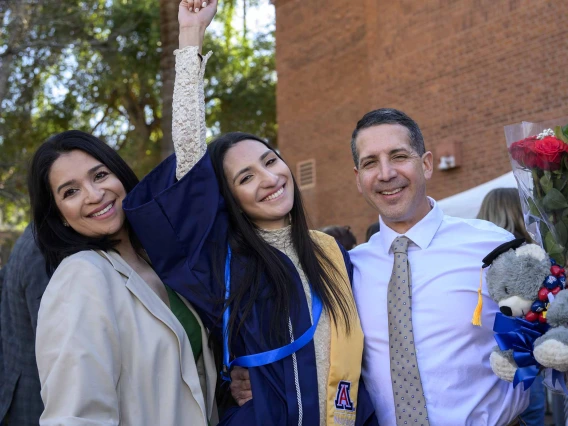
pixel 342 234
pixel 372 230
pixel 388 116
pixel 55 240
pixel 259 259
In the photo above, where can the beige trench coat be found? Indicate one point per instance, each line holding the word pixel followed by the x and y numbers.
pixel 110 352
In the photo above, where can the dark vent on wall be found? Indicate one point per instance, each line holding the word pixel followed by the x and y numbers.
pixel 306 174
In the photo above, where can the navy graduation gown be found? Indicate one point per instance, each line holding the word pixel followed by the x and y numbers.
pixel 183 225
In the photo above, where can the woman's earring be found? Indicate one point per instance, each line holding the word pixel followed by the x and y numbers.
pixel 290 218
pixel 65 223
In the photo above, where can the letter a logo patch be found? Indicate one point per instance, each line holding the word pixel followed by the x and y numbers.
pixel 343 397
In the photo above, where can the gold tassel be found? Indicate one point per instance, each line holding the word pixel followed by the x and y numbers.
pixel 476 320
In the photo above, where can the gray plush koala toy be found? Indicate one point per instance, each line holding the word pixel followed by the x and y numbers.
pixel 525 283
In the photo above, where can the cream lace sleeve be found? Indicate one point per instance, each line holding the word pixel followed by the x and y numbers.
pixel 188 109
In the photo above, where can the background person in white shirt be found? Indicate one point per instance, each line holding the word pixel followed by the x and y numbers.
pixel 445 253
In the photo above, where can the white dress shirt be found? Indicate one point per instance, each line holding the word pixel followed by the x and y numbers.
pixel 445 258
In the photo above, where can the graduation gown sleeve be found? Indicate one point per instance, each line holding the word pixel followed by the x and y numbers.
pixel 183 227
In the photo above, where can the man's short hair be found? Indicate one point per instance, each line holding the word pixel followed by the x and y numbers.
pixel 388 116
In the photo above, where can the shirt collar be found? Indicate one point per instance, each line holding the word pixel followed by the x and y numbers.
pixel 421 234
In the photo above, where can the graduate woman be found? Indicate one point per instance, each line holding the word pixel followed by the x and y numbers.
pixel 225 227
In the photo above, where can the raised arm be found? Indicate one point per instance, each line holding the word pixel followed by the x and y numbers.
pixel 188 110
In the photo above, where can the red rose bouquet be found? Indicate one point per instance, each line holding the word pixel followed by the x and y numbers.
pixel 539 156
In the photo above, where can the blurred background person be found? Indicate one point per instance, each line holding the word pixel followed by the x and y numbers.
pixel 22 282
pixel 502 206
pixel 372 230
pixel 342 234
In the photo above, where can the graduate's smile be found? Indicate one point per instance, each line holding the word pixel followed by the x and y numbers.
pixel 260 182
pixel 275 195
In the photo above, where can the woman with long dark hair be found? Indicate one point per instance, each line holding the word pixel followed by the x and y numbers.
pixel 114 345
pixel 224 225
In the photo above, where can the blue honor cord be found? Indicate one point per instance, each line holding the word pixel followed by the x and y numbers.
pixel 268 357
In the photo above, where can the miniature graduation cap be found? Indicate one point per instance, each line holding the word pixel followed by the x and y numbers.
pixel 487 261
pixel 503 248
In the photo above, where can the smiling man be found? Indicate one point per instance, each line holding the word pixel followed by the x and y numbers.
pixel 415 284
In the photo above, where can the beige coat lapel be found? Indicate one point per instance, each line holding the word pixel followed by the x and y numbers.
pixel 138 287
pixel 208 360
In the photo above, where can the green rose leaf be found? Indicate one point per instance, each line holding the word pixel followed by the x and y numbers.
pixel 564 241
pixel 553 249
pixel 562 232
pixel 554 200
pixel 546 182
pixel 533 209
pixel 550 244
pixel 558 180
pixel 559 258
pixel 565 131
pixel 559 133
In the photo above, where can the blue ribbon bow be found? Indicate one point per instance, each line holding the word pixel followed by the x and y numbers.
pixel 519 335
pixel 558 376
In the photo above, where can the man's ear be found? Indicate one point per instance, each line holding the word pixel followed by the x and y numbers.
pixel 428 164
pixel 356 170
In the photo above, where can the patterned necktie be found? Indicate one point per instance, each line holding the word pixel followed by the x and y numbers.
pixel 409 401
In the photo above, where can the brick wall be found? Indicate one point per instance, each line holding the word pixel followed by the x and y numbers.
pixel 462 69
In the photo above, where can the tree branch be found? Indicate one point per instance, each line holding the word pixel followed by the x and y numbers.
pixel 107 110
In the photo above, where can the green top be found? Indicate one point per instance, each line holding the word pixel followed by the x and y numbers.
pixel 188 321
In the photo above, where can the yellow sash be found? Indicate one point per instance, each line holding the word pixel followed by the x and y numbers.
pixel 346 349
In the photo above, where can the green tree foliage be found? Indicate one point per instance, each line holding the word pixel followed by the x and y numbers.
pixel 114 88
pixel 241 90
pixel 94 65
pixel 30 46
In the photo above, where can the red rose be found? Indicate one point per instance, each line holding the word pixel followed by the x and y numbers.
pixel 523 152
pixel 550 151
